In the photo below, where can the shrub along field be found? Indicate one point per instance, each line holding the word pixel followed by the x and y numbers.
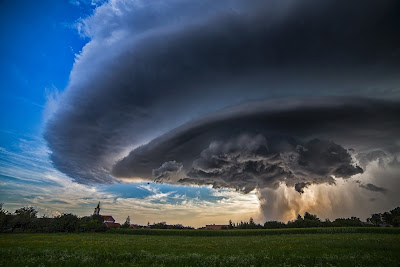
pixel 310 247
pixel 258 232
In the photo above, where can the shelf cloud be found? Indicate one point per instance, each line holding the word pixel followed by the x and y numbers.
pixel 240 94
pixel 151 67
pixel 263 144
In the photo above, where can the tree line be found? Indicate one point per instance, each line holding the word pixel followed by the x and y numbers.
pixel 386 219
pixel 26 218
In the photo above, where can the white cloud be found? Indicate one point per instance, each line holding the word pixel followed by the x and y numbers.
pixel 52 96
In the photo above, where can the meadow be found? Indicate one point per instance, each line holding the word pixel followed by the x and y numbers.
pixel 283 247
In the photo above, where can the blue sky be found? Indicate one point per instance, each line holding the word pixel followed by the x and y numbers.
pixel 39 41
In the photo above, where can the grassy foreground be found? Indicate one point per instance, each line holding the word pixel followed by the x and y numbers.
pixel 95 249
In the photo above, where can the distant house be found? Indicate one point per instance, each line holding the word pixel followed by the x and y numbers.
pixel 108 219
pixel 216 226
pixel 110 222
pixel 134 226
pixel 113 225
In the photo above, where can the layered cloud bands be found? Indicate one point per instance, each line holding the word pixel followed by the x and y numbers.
pixel 152 66
pixel 265 144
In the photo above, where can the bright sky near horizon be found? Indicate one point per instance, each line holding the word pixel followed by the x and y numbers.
pixel 198 113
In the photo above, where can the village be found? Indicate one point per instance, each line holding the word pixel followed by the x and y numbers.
pixel 109 221
pixel 26 219
pixel 386 219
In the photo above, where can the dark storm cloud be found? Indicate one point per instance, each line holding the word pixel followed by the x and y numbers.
pixel 299 187
pixel 167 169
pixel 373 188
pixel 172 71
pixel 259 145
pixel 250 162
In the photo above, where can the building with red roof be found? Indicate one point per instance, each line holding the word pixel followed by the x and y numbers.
pixel 108 219
pixel 216 226
pixel 113 225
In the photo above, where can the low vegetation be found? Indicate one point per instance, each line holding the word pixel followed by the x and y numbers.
pixel 25 219
pixel 330 247
pixel 258 232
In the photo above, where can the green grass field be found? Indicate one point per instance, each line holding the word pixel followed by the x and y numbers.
pixel 348 247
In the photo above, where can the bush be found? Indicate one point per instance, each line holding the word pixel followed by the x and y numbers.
pixel 94 223
pixel 274 225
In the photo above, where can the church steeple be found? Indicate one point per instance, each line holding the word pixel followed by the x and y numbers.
pixel 97 209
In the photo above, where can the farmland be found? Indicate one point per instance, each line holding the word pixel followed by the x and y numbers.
pixel 224 248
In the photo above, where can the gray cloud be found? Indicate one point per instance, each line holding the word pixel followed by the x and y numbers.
pixel 248 162
pixel 263 144
pixel 174 62
pixel 299 187
pixel 385 161
pixel 376 155
pixel 373 188
pixel 167 169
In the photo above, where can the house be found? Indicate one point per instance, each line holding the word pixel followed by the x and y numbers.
pixel 108 219
pixel 113 225
pixel 216 226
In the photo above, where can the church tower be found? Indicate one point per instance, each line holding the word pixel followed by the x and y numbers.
pixel 97 210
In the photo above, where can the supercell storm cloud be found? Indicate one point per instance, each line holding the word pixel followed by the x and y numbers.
pixel 262 144
pixel 235 94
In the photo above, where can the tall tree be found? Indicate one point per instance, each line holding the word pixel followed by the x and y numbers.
pixel 3 215
pixel 24 217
